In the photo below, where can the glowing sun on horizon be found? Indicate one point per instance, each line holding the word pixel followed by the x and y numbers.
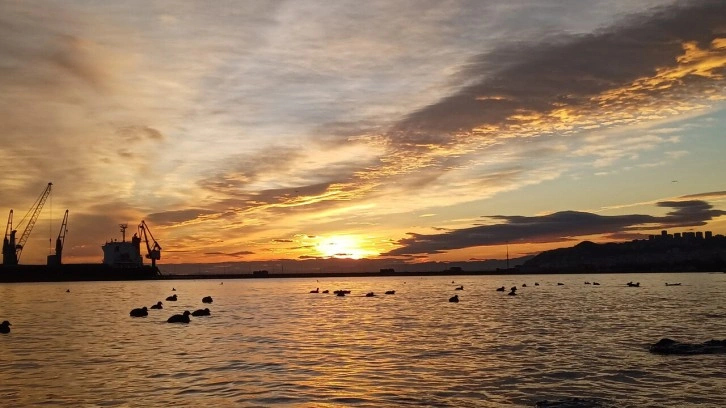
pixel 342 246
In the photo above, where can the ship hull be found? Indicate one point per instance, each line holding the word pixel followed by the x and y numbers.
pixel 75 272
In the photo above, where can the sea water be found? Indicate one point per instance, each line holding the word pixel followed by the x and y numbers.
pixel 271 343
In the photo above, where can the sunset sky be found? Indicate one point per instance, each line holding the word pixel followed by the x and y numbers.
pixel 410 130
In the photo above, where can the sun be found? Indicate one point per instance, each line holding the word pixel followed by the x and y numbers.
pixel 342 246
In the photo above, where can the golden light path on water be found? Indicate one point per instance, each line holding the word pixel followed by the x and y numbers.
pixel 269 342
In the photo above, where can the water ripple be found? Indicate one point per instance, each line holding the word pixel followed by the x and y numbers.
pixel 271 343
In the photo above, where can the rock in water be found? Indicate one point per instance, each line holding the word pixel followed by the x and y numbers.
pixel 669 346
pixel 574 403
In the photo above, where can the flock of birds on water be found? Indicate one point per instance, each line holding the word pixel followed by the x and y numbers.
pixel 176 318
pixel 455 298
pixel 184 317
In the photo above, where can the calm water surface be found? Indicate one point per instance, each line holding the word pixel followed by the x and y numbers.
pixel 271 343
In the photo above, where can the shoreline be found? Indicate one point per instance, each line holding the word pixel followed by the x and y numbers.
pixel 395 274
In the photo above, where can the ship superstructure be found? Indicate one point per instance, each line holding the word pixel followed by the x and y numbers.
pixel 123 254
pixel 127 254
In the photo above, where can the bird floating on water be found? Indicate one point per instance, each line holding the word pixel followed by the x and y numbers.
pixel 5 327
pixel 207 299
pixel 179 318
pixel 454 299
pixel 158 305
pixel 202 312
pixel 171 298
pixel 139 312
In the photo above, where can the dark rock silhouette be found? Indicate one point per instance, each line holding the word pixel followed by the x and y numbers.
pixel 202 312
pixel 207 299
pixel 179 318
pixel 5 327
pixel 139 312
pixel 669 346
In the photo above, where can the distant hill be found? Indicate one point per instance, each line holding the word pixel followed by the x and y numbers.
pixel 688 252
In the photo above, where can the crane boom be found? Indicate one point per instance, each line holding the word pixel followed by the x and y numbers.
pixel 61 235
pixel 35 210
pixel 9 254
pixel 153 252
pixel 56 259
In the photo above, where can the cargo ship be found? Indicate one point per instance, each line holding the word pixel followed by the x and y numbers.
pixel 122 260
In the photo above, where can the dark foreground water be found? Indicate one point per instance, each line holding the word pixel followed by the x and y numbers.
pixel 269 342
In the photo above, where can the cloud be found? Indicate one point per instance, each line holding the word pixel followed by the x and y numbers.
pixel 712 195
pixel 648 67
pixel 72 110
pixel 519 100
pixel 178 217
pixel 569 72
pixel 558 227
pixel 688 213
pixel 238 254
